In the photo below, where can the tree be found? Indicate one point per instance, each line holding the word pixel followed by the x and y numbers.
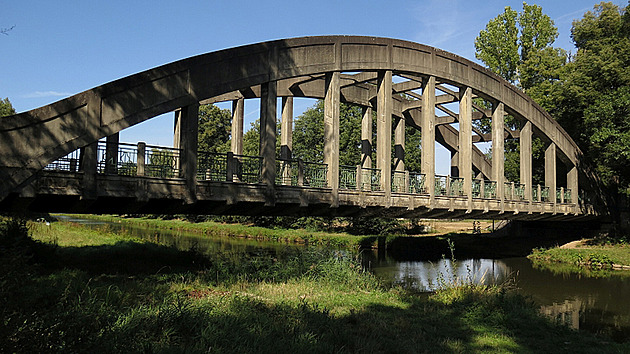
pixel 6 108
pixel 517 47
pixel 215 127
pixel 593 102
pixel 513 44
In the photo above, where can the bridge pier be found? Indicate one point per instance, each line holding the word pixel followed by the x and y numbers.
pixel 186 140
pixel 427 127
pixel 238 115
pixel 384 132
pixel 366 138
pixel 268 111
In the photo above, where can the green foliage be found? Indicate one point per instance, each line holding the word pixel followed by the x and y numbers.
pixel 593 98
pixel 513 44
pixel 215 126
pixel 517 46
pixel 6 108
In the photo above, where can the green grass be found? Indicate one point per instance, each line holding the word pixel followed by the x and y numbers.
pixel 211 228
pixel 117 295
pixel 589 257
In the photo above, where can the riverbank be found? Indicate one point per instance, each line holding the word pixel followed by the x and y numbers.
pixel 453 238
pixel 591 254
pixel 109 293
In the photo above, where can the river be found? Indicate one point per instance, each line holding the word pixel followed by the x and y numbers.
pixel 594 304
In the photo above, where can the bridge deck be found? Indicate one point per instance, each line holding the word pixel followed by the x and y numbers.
pixel 54 191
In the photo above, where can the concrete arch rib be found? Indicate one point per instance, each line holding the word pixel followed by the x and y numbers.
pixel 30 140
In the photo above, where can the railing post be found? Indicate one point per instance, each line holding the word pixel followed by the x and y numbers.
pixel 406 184
pixel 300 173
pixel 229 168
pixel 539 194
pixel 512 192
pixel 359 177
pixel 448 185
pixel 482 189
pixel 141 158
pixel 562 195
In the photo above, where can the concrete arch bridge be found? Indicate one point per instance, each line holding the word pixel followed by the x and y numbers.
pixel 54 159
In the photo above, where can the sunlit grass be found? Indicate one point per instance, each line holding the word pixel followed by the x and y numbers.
pixel 310 301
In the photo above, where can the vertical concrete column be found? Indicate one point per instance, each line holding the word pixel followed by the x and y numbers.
pixel 286 129
pixel 498 148
pixel 238 115
pixel 465 140
pixel 141 158
pixel 331 133
pixel 384 131
pixel 572 183
pixel 111 153
pixel 186 138
pixel 366 138
pixel 89 166
pixel 455 163
pixel 399 145
pixel 526 159
pixel 427 127
pixel 268 112
pixel 550 171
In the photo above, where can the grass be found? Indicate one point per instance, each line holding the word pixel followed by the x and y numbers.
pixel 590 258
pixel 211 228
pixel 78 297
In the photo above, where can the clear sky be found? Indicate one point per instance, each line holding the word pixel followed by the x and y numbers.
pixel 60 48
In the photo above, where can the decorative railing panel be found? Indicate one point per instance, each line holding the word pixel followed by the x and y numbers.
pixel 347 177
pixel 417 183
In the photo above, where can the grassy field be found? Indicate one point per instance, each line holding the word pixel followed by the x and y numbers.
pixel 108 293
pixel 586 255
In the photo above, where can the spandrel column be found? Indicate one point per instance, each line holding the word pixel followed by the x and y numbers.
pixel 331 133
pixel 428 134
pixel 384 131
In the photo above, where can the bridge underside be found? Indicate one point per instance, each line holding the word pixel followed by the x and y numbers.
pixel 64 192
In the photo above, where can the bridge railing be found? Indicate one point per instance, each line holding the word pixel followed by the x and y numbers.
pixel 163 162
pixel 212 166
pixel 347 177
pixel 315 174
pixel 455 186
pixel 442 185
pixel 489 189
pixel 68 163
pixel 417 183
pixel 400 182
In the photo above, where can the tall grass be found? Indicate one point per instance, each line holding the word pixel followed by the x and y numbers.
pixel 135 297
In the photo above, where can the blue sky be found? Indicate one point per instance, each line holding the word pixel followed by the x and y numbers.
pixel 60 48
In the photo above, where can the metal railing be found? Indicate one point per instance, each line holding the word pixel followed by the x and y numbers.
pixel 163 162
pixel 456 187
pixel 490 189
pixel 399 182
pixel 315 174
pixel 68 163
pixel 417 183
pixel 441 185
pixel 347 177
pixel 287 172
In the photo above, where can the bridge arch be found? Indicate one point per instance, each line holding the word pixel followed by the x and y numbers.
pixel 353 69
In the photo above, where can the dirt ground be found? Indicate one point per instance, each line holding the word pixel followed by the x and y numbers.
pixel 442 227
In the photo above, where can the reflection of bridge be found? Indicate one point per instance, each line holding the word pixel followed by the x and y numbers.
pixel 404 83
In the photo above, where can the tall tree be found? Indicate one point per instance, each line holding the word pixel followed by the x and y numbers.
pixel 593 103
pixel 214 128
pixel 6 108
pixel 514 44
pixel 517 47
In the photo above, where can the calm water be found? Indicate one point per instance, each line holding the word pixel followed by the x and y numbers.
pixel 598 305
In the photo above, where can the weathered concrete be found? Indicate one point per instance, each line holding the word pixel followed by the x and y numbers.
pixel 299 67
